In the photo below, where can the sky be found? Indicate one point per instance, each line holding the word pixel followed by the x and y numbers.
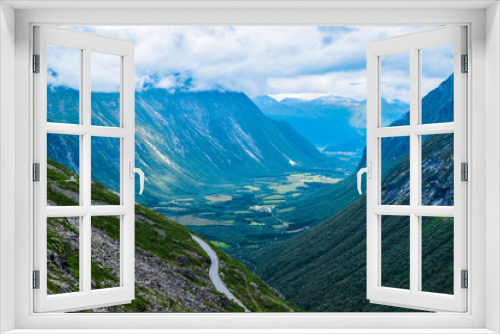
pixel 293 61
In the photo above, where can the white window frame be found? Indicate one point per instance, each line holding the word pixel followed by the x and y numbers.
pixel 87 44
pixel 414 297
pixel 483 308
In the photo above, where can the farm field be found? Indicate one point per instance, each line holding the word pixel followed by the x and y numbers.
pixel 249 214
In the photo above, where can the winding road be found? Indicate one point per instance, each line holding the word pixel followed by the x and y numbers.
pixel 214 272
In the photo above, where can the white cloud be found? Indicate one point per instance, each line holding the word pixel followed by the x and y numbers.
pixel 255 60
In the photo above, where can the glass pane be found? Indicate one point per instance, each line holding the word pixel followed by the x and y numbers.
pixel 63 169
pixel 395 188
pixel 105 252
pixel 437 170
pixel 396 252
pixel 395 89
pixel 105 83
pixel 437 72
pixel 437 254
pixel 105 171
pixel 63 255
pixel 63 84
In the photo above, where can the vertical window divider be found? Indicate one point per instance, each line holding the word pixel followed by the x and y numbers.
pixel 418 93
pixel 414 184
pixel 86 248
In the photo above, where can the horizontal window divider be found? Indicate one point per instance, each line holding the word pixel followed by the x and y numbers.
pixel 407 210
pixel 393 210
pixel 67 129
pixel 77 129
pixel 433 211
pixel 67 211
pixel 109 210
pixel 395 131
pixel 434 129
pixel 102 131
pixel 422 129
pixel 68 295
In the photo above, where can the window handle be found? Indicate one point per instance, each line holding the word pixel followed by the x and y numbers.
pixel 368 171
pixel 134 170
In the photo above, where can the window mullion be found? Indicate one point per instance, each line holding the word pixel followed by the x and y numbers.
pixel 414 175
pixel 86 249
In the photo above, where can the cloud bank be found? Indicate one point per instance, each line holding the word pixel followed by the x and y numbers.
pixel 277 61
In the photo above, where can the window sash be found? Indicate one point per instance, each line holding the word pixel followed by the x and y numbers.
pixel 414 298
pixel 86 297
pixel 478 258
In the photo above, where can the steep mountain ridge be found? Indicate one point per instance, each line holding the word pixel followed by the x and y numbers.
pixel 324 268
pixel 437 107
pixel 186 142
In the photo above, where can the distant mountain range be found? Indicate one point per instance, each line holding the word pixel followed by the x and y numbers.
pixel 324 268
pixel 186 142
pixel 328 120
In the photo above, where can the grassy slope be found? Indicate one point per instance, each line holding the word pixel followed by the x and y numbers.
pixel 324 269
pixel 155 234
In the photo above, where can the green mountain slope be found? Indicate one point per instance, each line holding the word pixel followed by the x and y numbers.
pixel 187 144
pixel 318 205
pixel 171 268
pixel 324 268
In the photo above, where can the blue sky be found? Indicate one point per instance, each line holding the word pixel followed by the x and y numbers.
pixel 297 61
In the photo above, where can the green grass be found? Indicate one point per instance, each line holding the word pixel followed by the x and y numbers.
pixel 238 278
pixel 220 244
pixel 161 237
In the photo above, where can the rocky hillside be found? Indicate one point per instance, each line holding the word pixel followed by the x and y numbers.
pixel 171 268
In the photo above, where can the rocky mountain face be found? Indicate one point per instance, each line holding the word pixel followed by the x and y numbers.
pixel 171 268
pixel 437 171
pixel 185 142
pixel 324 268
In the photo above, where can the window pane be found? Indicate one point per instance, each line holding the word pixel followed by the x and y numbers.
pixel 395 189
pixel 437 254
pixel 63 169
pixel 396 252
pixel 437 170
pixel 395 89
pixel 63 255
pixel 63 84
pixel 437 72
pixel 105 252
pixel 105 171
pixel 105 82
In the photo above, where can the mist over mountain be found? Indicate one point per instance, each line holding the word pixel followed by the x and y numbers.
pixel 328 120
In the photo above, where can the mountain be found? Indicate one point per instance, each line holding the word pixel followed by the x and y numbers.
pixel 172 270
pixel 328 120
pixel 356 145
pixel 315 206
pixel 324 268
pixel 186 142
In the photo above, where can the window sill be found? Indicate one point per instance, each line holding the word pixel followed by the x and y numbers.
pixel 252 331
